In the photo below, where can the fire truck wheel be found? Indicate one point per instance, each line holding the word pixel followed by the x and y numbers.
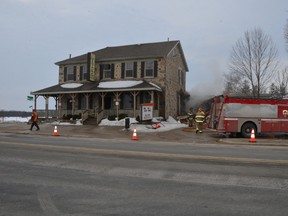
pixel 247 129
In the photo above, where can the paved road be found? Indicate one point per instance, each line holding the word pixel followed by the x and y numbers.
pixel 41 175
pixel 183 135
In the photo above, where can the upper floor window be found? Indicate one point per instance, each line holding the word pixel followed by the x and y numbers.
pixel 65 74
pixel 129 69
pixel 83 72
pixel 70 73
pixel 106 71
pixel 149 69
pixel 180 76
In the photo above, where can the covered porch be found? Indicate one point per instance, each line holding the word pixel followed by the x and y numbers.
pixel 99 102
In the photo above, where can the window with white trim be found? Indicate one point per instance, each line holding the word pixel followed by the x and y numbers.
pixel 149 69
pixel 180 76
pixel 70 73
pixel 83 72
pixel 107 71
pixel 129 69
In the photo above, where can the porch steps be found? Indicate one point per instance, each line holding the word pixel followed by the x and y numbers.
pixel 90 121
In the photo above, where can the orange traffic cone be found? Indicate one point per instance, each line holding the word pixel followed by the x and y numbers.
pixel 252 138
pixel 157 125
pixel 134 137
pixel 55 131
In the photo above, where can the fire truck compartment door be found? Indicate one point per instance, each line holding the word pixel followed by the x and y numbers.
pixel 270 125
pixel 231 124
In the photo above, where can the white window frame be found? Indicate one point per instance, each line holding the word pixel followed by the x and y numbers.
pixel 84 72
pixel 107 71
pixel 129 69
pixel 70 73
pixel 180 76
pixel 149 68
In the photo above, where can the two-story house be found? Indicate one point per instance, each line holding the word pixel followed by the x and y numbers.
pixel 119 79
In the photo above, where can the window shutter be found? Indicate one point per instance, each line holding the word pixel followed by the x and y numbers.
pixel 142 69
pixel 123 70
pixel 135 69
pixel 81 72
pixel 112 71
pixel 65 74
pixel 101 71
pixel 155 68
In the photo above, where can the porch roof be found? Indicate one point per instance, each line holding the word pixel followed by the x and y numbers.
pixel 98 87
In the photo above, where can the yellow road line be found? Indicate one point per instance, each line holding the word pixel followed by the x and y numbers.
pixel 150 154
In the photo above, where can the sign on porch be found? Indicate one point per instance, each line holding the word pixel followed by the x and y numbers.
pixel 146 111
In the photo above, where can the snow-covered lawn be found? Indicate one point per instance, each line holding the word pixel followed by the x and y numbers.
pixel 167 125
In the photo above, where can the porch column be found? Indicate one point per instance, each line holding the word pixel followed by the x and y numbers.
pixel 56 102
pixel 102 94
pixel 60 106
pixel 87 100
pixel 117 100
pixel 152 97
pixel 73 96
pixel 46 106
pixel 35 101
pixel 134 93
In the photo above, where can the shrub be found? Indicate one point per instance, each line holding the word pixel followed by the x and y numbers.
pixel 112 117
pixel 122 116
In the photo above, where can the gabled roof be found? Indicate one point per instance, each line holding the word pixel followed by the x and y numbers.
pixel 104 86
pixel 129 52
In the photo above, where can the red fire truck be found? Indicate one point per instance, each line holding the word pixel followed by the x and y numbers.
pixel 239 115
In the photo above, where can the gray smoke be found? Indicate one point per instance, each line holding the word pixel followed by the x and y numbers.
pixel 202 93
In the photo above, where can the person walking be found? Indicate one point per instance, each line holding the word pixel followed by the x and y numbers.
pixel 190 117
pixel 199 120
pixel 34 119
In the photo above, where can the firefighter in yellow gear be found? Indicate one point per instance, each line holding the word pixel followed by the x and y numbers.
pixel 199 120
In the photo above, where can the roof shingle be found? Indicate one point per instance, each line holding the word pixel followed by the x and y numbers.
pixel 145 50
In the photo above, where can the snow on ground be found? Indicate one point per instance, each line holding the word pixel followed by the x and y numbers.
pixel 167 125
pixel 14 119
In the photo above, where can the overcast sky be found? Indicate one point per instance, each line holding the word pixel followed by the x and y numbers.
pixel 37 33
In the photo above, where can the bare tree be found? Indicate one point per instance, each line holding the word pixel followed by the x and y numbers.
pixel 254 61
pixel 236 84
pixel 286 34
pixel 282 82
